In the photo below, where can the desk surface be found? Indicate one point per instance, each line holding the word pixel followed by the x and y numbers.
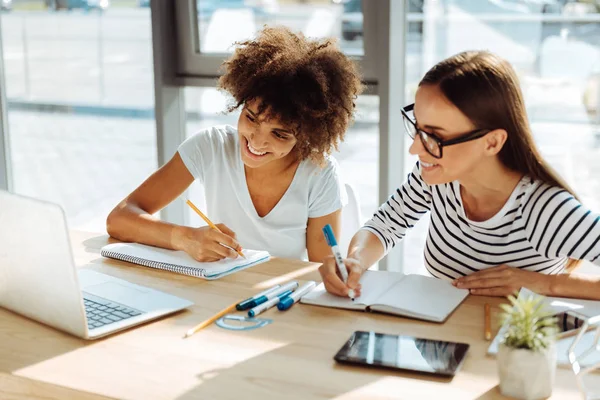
pixel 289 359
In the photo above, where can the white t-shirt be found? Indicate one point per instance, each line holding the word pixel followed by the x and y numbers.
pixel 213 157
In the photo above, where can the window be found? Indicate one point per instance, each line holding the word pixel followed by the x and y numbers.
pixel 208 28
pixel 80 99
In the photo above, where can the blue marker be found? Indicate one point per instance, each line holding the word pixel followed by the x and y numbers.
pixel 251 302
pixel 289 301
pixel 273 294
pixel 265 306
pixel 328 232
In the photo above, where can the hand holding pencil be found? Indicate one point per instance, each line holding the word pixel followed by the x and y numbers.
pixel 209 243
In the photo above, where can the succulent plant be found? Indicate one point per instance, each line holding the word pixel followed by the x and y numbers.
pixel 530 324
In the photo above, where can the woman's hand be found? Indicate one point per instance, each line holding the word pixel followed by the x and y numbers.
pixel 205 244
pixel 503 281
pixel 333 281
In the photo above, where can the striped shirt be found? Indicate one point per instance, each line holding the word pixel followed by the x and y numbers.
pixel 538 229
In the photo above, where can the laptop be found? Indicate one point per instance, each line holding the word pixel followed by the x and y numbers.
pixel 38 277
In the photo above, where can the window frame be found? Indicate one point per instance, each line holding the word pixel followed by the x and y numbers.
pixel 194 66
pixel 5 159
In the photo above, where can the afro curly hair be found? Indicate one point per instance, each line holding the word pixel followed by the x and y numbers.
pixel 308 85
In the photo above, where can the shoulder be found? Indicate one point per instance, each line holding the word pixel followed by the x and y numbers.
pixel 210 143
pixel 541 192
pixel 326 188
pixel 538 196
pixel 314 172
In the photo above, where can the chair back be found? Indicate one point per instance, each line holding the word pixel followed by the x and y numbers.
pixel 351 220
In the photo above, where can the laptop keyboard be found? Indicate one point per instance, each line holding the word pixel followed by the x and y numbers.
pixel 100 312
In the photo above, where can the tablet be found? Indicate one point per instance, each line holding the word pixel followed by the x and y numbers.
pixel 403 353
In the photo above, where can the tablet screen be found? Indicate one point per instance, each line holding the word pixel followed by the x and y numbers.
pixel 403 352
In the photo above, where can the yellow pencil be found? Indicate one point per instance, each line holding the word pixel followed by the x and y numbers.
pixel 209 222
pixel 209 321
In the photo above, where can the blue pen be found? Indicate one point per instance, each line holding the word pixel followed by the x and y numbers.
pixel 287 302
pixel 271 295
pixel 268 304
pixel 329 236
pixel 251 302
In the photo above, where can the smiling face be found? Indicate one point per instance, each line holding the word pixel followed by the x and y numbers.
pixel 263 140
pixel 436 115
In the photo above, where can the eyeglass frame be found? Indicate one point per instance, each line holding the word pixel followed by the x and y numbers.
pixel 465 137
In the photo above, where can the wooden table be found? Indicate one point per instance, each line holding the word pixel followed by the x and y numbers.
pixel 289 359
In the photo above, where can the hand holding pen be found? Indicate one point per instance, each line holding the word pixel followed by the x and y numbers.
pixel 340 276
pixel 208 243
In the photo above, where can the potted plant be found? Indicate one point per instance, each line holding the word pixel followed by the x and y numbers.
pixel 527 350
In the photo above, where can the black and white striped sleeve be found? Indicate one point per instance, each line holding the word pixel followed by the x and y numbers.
pixel 402 210
pixel 557 225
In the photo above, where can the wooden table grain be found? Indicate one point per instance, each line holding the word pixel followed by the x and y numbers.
pixel 292 358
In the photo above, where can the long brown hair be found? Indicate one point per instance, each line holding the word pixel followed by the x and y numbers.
pixel 485 88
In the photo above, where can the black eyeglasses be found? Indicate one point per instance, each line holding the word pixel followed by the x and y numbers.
pixel 433 144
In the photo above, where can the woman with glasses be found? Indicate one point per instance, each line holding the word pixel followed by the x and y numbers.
pixel 501 218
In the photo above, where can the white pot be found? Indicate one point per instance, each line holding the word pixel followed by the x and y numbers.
pixel 526 374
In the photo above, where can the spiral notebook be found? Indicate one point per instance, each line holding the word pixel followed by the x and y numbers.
pixel 179 261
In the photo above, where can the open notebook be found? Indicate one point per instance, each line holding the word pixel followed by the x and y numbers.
pixel 414 296
pixel 586 308
pixel 181 262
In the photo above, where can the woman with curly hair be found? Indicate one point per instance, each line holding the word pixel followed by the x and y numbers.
pixel 272 179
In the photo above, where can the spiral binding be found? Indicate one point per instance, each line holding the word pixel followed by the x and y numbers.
pixel 180 269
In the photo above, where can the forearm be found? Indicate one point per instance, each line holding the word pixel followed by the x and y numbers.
pixel 366 248
pixel 577 286
pixel 130 223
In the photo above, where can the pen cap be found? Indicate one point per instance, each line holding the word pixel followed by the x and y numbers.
pixel 270 303
pixel 249 303
pixel 245 305
pixel 285 303
pixel 328 232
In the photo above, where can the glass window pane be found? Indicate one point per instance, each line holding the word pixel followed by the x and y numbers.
pixel 221 23
pixel 81 103
pixel 554 47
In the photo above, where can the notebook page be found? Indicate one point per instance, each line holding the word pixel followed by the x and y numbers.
pixel 373 284
pixel 422 296
pixel 181 258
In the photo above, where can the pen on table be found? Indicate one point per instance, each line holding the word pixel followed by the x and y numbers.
pixel 209 321
pixel 209 222
pixel 274 293
pixel 487 322
pixel 268 304
pixel 250 302
pixel 329 236
pixel 286 302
